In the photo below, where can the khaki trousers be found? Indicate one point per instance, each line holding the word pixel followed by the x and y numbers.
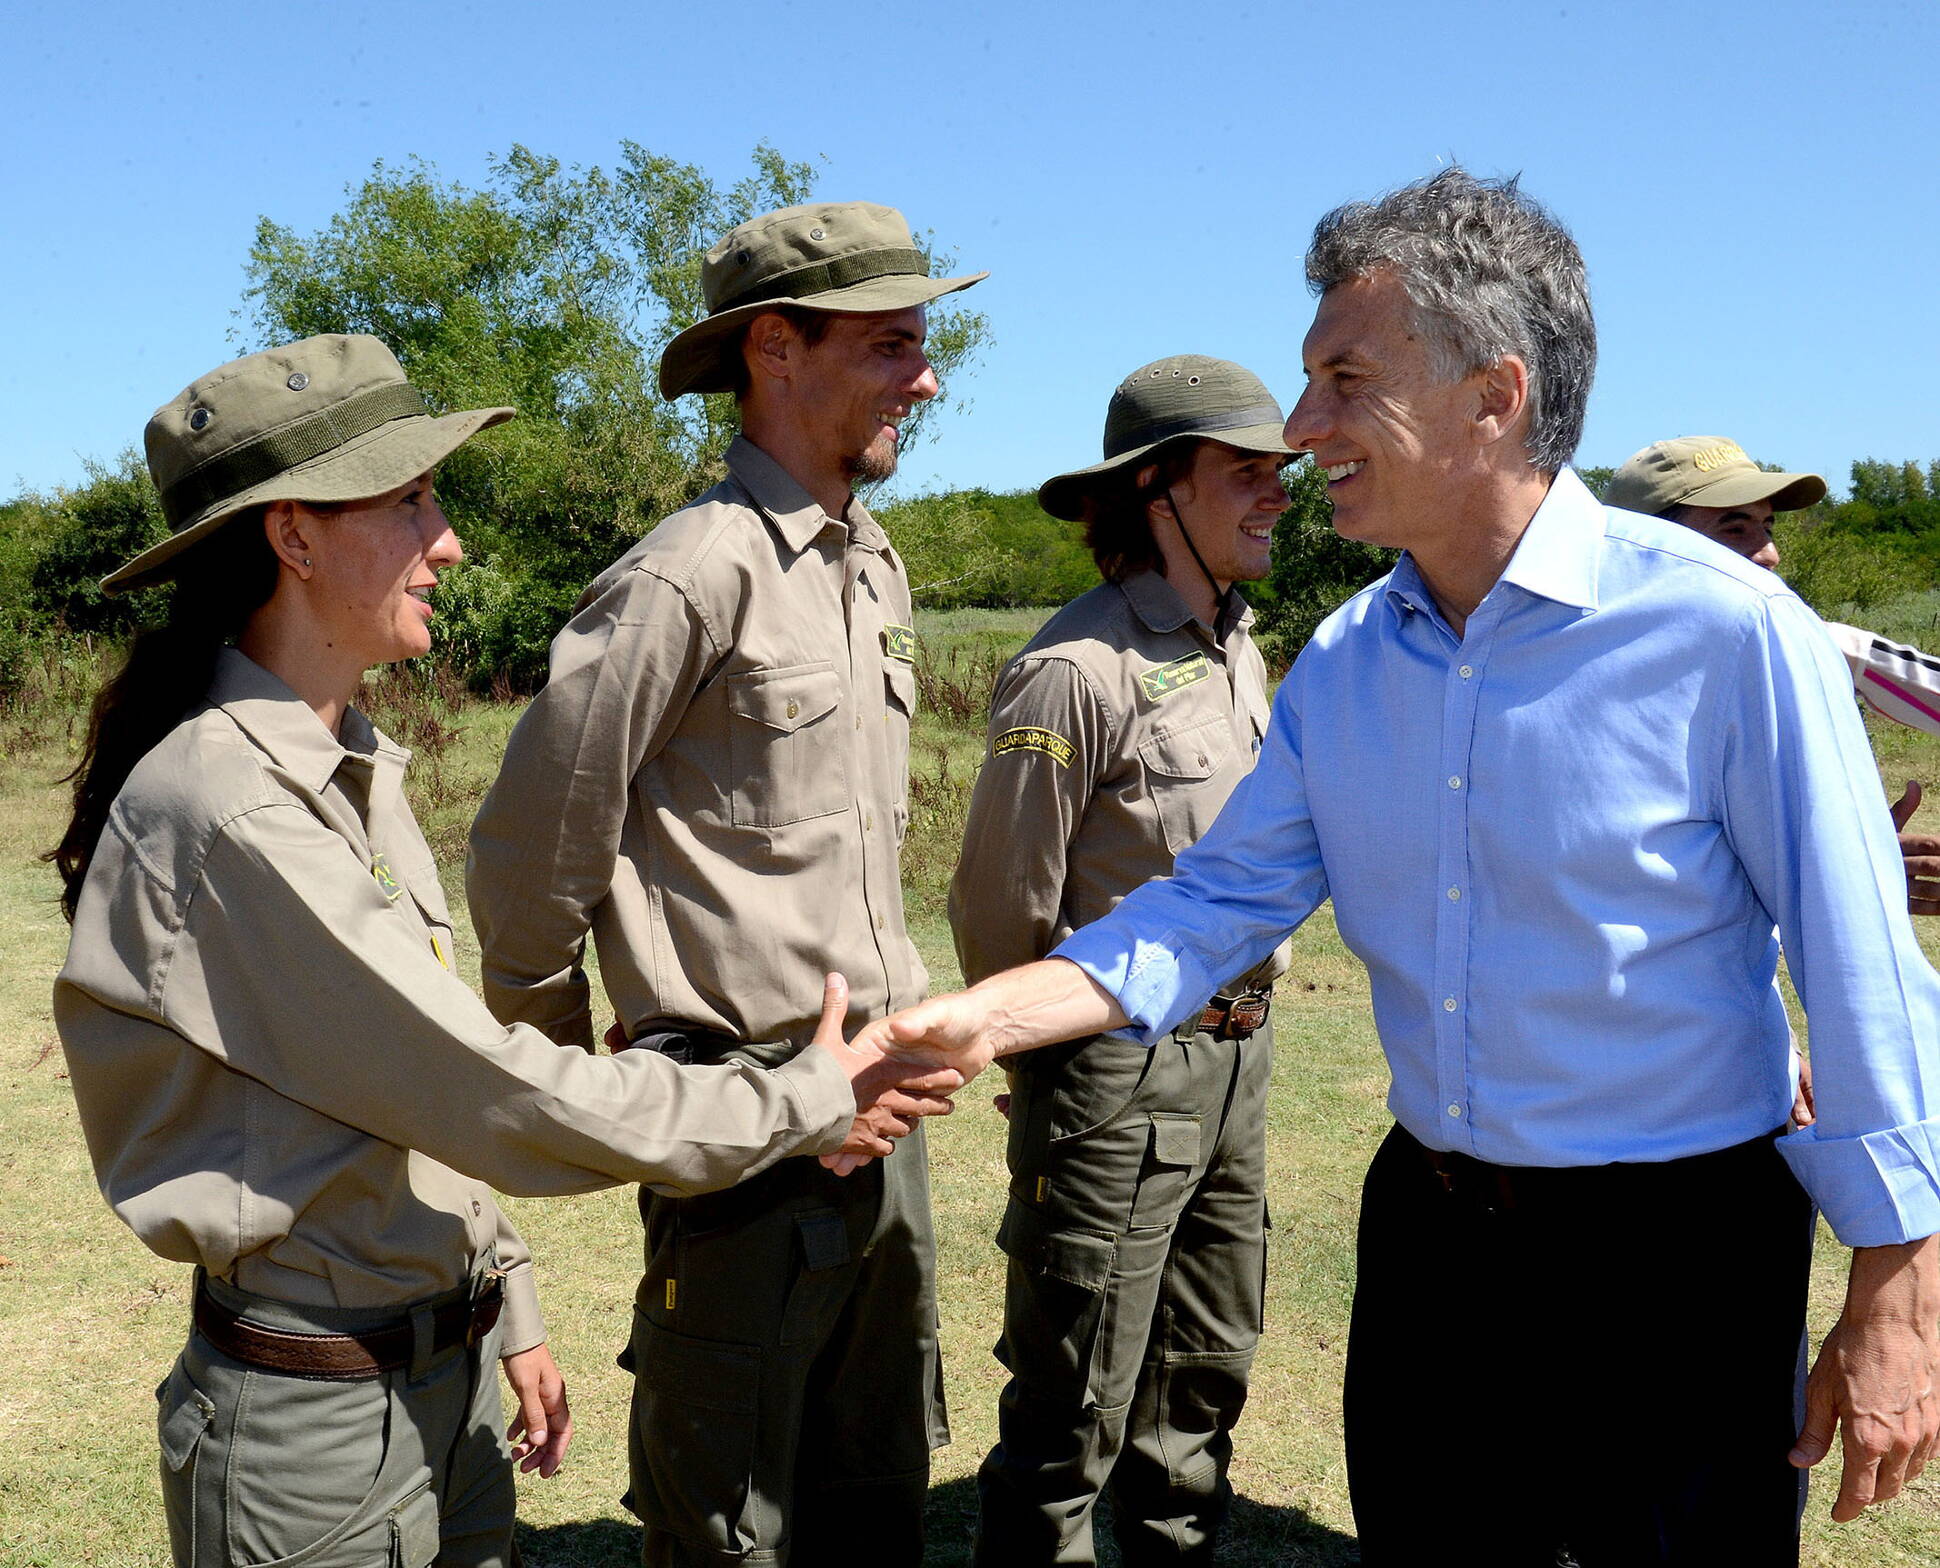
pixel 787 1386
pixel 1137 1253
pixel 403 1470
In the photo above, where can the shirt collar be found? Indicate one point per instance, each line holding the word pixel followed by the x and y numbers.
pixel 288 728
pixel 791 510
pixel 1559 551
pixel 1556 558
pixel 1161 607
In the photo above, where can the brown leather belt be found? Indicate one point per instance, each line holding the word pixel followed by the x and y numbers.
pixel 344 1358
pixel 1235 1017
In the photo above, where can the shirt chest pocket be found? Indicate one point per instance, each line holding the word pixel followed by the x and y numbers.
pixel 786 748
pixel 1188 777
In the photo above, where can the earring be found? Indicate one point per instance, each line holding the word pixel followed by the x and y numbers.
pixel 306 560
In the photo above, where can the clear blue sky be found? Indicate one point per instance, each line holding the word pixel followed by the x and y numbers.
pixel 1753 186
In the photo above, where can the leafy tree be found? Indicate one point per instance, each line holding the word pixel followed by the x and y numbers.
pixel 552 290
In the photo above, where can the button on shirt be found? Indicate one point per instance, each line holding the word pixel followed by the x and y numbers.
pixel 1115 737
pixel 1641 754
pixel 278 1076
pixel 713 781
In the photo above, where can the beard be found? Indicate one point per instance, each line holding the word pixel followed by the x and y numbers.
pixel 874 463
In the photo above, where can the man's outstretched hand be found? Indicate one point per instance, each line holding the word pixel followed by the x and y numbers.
pixel 891 1096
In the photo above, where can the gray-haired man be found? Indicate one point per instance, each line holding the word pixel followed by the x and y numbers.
pixel 1561 772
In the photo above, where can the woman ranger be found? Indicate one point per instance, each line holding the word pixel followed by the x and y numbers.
pixel 280 1079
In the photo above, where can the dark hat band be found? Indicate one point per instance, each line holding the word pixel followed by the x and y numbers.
pixel 821 276
pixel 277 451
pixel 1199 425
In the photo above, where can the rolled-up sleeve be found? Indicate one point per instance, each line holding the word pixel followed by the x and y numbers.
pixel 1232 898
pixel 1803 809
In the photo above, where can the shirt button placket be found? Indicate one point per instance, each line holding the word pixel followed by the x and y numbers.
pixel 1460 693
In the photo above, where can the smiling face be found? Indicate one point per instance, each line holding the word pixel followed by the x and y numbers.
pixel 1396 441
pixel 376 564
pixel 1229 501
pixel 1746 529
pixel 860 380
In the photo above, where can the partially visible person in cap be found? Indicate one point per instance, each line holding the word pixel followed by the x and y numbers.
pixel 1560 773
pixel 1709 484
pixel 280 1079
pixel 713 785
pixel 1135 1230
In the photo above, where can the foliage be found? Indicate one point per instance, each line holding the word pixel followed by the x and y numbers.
pixel 975 548
pixel 551 290
pixel 1313 570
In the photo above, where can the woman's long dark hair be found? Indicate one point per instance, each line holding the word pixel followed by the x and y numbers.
pixel 225 579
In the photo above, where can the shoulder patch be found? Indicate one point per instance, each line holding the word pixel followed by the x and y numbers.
pixel 380 870
pixel 1168 678
pixel 1028 737
pixel 899 642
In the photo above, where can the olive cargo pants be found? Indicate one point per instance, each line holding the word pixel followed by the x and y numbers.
pixel 787 1387
pixel 401 1470
pixel 1136 1238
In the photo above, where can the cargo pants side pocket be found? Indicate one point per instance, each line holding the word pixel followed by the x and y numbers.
pixel 183 1416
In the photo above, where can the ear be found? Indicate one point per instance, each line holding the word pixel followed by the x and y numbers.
pixel 771 346
pixel 1502 400
pixel 292 533
pixel 1158 509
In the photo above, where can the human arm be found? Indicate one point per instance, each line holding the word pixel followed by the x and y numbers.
pixel 542 1427
pixel 1877 1378
pixel 543 848
pixel 1919 853
pixel 1048 741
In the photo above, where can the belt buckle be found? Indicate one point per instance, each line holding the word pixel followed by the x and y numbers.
pixel 1247 1014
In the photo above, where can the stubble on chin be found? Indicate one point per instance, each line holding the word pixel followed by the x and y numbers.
pixel 874 463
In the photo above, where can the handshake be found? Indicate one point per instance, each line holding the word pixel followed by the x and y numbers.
pixel 908 1065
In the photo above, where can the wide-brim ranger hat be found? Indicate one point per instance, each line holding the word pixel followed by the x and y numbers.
pixel 329 419
pixel 1186 397
pixel 848 257
pixel 1704 471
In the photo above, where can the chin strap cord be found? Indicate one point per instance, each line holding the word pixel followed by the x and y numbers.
pixel 1219 593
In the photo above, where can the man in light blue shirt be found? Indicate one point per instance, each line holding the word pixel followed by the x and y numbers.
pixel 1562 772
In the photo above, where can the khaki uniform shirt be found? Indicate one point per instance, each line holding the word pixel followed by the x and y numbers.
pixel 713 781
pixel 279 1078
pixel 1115 737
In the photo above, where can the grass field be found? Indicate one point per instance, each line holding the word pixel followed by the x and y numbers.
pixel 89 1320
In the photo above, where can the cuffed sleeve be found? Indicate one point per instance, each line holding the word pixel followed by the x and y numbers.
pixel 1805 815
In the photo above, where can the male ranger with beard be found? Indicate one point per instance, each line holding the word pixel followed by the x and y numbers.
pixel 1136 1224
pixel 713 783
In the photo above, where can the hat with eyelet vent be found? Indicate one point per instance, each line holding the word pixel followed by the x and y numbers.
pixel 1188 397
pixel 848 257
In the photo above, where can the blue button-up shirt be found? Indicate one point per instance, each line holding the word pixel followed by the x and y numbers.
pixel 1560 843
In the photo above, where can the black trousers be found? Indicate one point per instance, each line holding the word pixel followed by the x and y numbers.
pixel 1601 1365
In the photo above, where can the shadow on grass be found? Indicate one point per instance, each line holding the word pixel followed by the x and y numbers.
pixel 1256 1534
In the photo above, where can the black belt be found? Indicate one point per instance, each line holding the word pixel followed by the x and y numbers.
pixel 344 1358
pixel 1503 1187
pixel 1226 1017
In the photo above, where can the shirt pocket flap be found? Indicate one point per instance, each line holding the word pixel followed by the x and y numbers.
pixel 1175 1138
pixel 1197 752
pixel 901 681
pixel 1072 1256
pixel 785 700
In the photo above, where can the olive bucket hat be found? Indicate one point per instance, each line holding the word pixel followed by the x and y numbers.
pixel 328 419
pixel 1704 471
pixel 849 257
pixel 1186 397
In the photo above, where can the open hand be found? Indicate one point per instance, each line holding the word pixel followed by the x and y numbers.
pixel 1921 852
pixel 891 1096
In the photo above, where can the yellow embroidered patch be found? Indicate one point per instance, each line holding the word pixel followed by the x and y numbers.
pixel 1168 678
pixel 438 950
pixel 1028 737
pixel 389 885
pixel 670 1295
pixel 899 642
pixel 1043 1188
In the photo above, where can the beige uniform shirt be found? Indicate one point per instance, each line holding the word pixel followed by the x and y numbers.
pixel 1115 737
pixel 281 1080
pixel 713 781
